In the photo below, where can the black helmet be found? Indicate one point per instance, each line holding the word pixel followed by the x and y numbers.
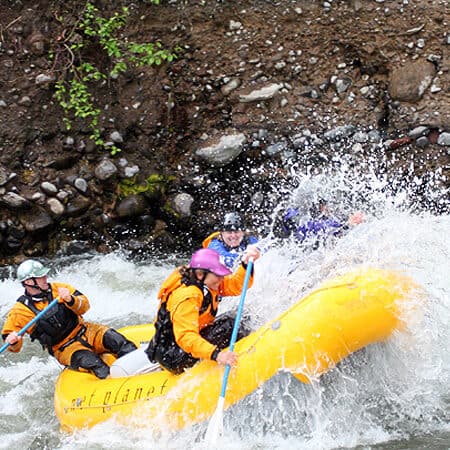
pixel 232 222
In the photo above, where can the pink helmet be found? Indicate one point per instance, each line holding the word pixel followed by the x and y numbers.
pixel 208 259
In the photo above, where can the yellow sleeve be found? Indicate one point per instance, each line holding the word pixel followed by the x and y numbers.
pixel 232 284
pixel 19 316
pixel 184 306
pixel 80 302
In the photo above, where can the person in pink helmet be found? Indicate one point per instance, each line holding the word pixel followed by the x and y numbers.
pixel 186 326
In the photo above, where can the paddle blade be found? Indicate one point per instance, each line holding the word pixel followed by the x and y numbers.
pixel 215 426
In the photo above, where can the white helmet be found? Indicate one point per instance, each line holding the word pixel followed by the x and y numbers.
pixel 31 269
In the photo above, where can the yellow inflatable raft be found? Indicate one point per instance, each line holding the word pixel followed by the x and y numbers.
pixel 341 316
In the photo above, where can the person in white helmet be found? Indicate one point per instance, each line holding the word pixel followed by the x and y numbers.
pixel 61 330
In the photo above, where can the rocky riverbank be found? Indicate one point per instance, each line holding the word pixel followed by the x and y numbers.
pixel 257 88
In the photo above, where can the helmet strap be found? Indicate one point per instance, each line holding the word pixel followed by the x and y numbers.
pixel 43 292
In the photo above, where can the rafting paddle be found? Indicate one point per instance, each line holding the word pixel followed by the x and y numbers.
pixel 31 322
pixel 215 426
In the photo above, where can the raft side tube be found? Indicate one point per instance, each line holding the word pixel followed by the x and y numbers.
pixel 340 317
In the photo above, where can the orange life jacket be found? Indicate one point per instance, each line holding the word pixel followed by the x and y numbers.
pixel 208 240
pixel 172 282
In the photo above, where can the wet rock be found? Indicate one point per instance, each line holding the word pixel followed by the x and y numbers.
pixel 145 223
pixel 43 78
pixel 275 148
pixel 342 84
pixel 418 132
pixel 77 206
pixel 116 137
pixel 162 240
pixel 55 206
pixel 374 136
pixel 49 188
pixel 12 244
pixel 68 142
pixel 38 197
pixel 422 141
pixel 14 201
pixel 235 25
pixel 81 185
pixel 361 137
pixel 134 245
pixel 24 101
pixel 16 231
pixel 63 162
pixel 224 152
pixel 409 83
pixel 163 131
pixel 230 86
pixel 433 136
pixel 63 196
pixel 444 139
pixel 133 205
pixel 35 249
pixel 3 177
pixel 339 132
pixel 75 247
pixel 39 220
pixel 105 219
pixel 264 93
pixel 70 179
pixel 182 204
pixel 105 170
pixel 130 171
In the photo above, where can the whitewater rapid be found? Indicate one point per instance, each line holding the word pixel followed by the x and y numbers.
pixel 389 395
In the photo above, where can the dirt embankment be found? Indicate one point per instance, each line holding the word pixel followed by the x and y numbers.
pixel 255 83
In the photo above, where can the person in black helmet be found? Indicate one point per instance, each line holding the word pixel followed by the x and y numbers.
pixel 231 241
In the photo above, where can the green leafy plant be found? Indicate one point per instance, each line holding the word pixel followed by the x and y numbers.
pixel 72 89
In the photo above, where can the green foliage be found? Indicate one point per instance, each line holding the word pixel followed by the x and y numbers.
pixel 72 89
pixel 153 185
pixel 148 54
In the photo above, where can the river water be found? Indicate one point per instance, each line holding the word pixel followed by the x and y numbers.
pixel 391 395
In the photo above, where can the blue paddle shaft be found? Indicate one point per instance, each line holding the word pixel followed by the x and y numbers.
pixel 31 323
pixel 237 322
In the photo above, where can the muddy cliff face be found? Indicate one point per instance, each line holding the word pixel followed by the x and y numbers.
pixel 257 88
